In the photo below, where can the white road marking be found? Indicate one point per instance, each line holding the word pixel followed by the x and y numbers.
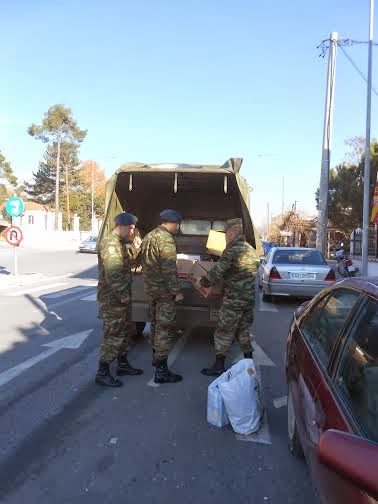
pixel 280 402
pixel 66 301
pixel 22 281
pixel 262 436
pixel 72 342
pixel 36 289
pixel 173 356
pixel 152 383
pixel 259 356
pixel 267 307
pixel 92 297
pixel 66 292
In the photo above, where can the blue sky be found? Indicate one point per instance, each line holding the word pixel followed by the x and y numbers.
pixel 186 81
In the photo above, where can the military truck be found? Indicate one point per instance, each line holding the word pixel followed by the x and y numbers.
pixel 206 196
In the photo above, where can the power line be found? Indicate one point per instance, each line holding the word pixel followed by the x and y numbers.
pixel 324 45
pixel 356 68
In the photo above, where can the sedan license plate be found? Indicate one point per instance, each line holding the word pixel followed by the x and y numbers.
pixel 214 315
pixel 303 276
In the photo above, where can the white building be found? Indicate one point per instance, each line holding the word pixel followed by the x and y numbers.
pixel 37 217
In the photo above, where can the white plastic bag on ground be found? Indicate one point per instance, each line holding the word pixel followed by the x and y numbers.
pixel 216 411
pixel 242 397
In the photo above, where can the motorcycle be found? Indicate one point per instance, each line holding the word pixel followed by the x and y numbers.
pixel 345 266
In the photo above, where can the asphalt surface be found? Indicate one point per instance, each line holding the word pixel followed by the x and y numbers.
pixel 65 440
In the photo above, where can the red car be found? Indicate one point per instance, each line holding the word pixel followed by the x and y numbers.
pixel 332 376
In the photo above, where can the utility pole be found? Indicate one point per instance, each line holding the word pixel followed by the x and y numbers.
pixel 366 203
pixel 267 221
pixel 283 196
pixel 92 196
pixel 57 184
pixel 295 217
pixel 321 235
pixel 68 200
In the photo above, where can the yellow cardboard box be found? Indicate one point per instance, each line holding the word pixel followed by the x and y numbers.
pixel 216 243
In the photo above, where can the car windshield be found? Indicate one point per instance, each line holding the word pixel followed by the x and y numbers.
pixel 299 257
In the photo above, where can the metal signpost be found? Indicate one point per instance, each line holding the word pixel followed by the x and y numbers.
pixel 13 234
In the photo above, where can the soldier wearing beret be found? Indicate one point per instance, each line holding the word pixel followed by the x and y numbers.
pixel 162 286
pixel 114 298
pixel 237 267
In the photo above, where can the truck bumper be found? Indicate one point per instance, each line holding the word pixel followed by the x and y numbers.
pixel 187 316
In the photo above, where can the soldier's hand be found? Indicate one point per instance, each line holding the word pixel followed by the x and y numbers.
pixel 137 242
pixel 205 282
pixel 125 300
pixel 179 298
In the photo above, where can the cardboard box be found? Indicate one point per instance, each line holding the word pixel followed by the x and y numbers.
pixel 184 267
pixel 216 243
pixel 199 269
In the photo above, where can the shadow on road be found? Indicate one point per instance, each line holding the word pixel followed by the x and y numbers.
pixel 88 274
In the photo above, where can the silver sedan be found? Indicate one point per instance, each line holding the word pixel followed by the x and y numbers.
pixel 89 245
pixel 297 272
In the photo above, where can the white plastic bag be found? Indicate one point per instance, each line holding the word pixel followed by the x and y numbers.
pixel 216 411
pixel 242 397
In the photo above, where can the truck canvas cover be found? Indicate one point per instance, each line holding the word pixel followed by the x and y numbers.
pixel 216 192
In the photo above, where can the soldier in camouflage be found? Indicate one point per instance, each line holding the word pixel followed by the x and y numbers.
pixel 115 258
pixel 237 267
pixel 161 283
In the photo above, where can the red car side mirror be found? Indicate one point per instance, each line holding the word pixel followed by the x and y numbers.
pixel 352 457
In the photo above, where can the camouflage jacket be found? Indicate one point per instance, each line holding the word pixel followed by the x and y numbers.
pixel 237 267
pixel 115 257
pixel 158 258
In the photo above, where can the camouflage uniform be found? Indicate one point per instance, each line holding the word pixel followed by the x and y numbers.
pixel 114 263
pixel 237 268
pixel 161 283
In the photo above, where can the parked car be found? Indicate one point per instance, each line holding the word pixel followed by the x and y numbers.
pixel 332 376
pixel 298 272
pixel 89 245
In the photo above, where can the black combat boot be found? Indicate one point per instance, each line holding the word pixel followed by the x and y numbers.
pixel 153 358
pixel 125 368
pixel 248 355
pixel 164 375
pixel 103 376
pixel 218 367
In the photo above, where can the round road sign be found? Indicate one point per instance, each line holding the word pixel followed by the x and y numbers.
pixel 13 235
pixel 15 206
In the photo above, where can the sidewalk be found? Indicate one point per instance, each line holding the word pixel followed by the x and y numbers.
pixel 372 268
pixel 9 281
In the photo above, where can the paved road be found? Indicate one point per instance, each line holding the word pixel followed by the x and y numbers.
pixel 64 440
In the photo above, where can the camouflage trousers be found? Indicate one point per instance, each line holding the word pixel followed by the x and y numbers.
pixel 163 325
pixel 117 331
pixel 235 321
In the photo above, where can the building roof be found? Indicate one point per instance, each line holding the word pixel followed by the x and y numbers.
pixel 31 205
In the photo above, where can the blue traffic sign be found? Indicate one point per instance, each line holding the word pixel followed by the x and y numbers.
pixel 15 206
